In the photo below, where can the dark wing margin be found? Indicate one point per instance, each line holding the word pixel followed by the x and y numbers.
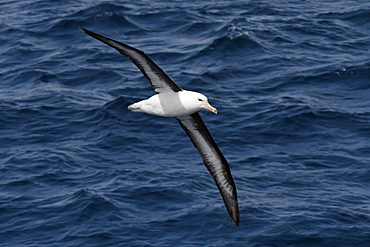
pixel 156 76
pixel 214 160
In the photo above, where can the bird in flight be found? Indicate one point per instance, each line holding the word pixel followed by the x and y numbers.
pixel 172 101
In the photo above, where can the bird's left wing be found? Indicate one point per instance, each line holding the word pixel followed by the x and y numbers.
pixel 214 160
pixel 156 76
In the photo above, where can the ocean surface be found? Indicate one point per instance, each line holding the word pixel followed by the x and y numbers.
pixel 290 79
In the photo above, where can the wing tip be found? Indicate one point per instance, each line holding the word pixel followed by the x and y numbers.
pixel 88 32
pixel 236 221
pixel 234 215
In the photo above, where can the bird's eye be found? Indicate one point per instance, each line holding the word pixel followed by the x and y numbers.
pixel 200 99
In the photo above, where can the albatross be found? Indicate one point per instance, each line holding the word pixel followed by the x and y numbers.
pixel 172 101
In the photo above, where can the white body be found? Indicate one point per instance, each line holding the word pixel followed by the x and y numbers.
pixel 173 104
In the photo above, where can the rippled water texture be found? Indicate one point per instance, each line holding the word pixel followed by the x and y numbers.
pixel 291 81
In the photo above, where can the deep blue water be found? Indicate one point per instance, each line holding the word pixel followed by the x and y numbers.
pixel 291 81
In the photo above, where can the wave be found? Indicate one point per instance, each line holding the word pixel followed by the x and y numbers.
pixel 359 17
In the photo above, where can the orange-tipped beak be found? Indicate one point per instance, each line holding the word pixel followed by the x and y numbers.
pixel 209 107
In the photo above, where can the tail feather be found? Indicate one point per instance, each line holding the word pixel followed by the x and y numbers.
pixel 136 107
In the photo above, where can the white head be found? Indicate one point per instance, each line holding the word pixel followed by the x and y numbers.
pixel 196 101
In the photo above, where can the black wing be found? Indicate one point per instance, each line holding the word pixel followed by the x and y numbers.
pixel 156 76
pixel 214 161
